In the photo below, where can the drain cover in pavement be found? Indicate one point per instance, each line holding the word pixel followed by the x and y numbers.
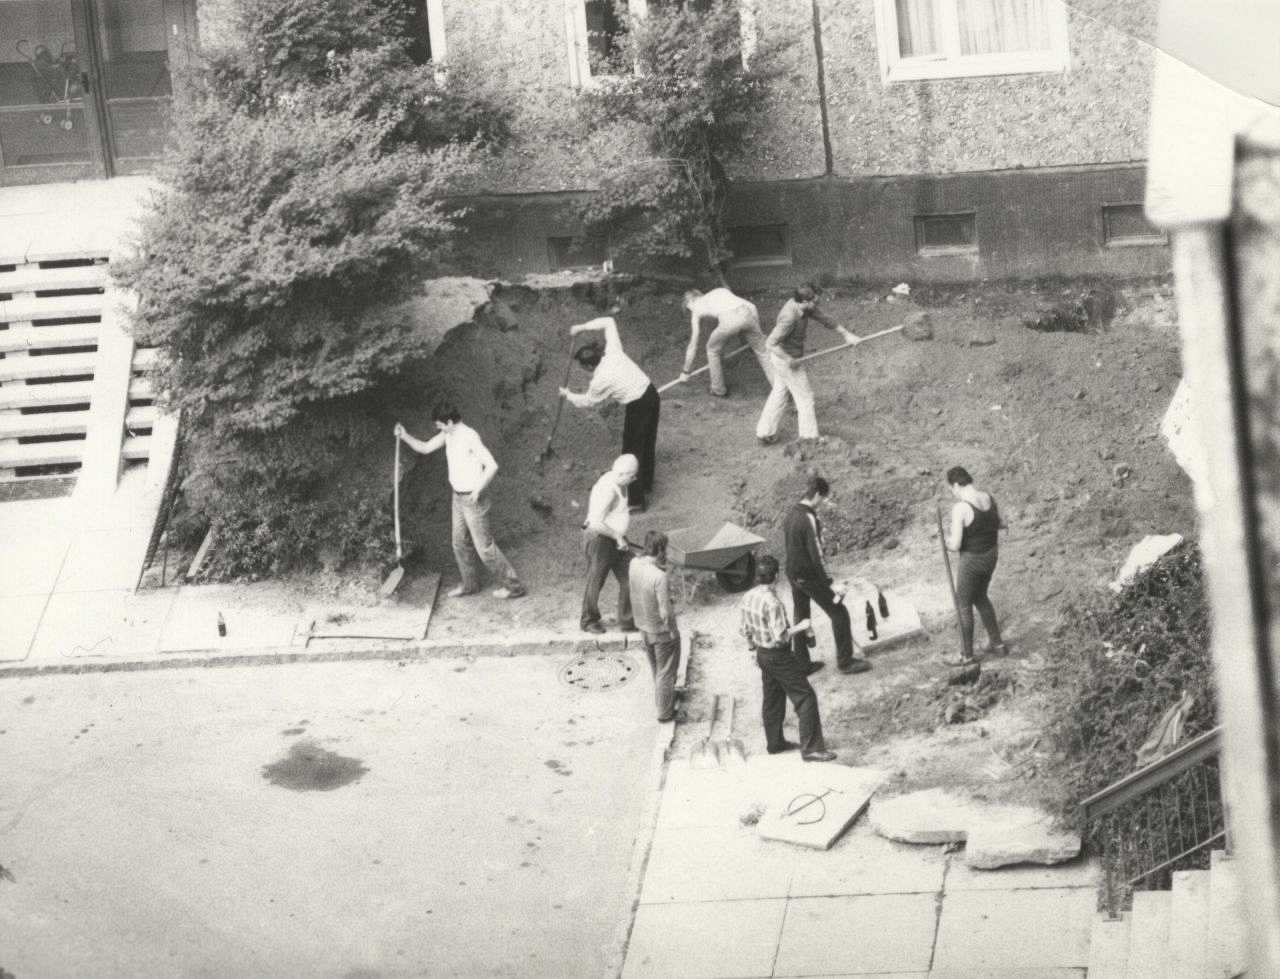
pixel 597 671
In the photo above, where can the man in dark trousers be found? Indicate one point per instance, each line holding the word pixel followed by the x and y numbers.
pixel 802 532
pixel 764 624
pixel 616 377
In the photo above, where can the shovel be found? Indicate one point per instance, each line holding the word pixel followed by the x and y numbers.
pixel 704 754
pixel 732 751
pixel 946 559
pixel 547 451
pixel 393 580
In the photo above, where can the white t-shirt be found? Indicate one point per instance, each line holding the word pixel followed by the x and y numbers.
pixel 608 504
pixel 467 456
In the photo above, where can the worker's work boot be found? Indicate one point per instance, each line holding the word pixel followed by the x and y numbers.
pixel 819 756
pixel 855 666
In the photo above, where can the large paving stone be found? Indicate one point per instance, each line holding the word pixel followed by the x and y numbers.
pixel 1017 931
pixel 701 941
pixel 1003 844
pixel 818 803
pixel 872 933
pixel 930 816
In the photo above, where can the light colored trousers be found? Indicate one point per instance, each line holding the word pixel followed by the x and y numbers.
pixel 747 326
pixel 793 380
pixel 473 543
pixel 662 650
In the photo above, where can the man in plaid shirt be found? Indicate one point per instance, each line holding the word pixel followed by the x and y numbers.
pixel 764 624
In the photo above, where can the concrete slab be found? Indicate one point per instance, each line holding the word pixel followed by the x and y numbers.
pixel 101 625
pixel 102 560
pixel 1010 974
pixel 864 863
pixel 704 798
pixel 1027 929
pixel 21 615
pixel 1001 843
pixel 902 625
pixel 815 806
pixel 705 941
pixel 701 864
pixel 1226 940
pixel 252 619
pixel 824 935
pixel 31 562
pixel 930 816
pixel 1076 873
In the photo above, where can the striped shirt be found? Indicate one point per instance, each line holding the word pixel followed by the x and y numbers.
pixel 764 619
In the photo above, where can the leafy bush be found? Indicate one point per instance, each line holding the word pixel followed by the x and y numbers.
pixel 679 76
pixel 1120 662
pixel 304 201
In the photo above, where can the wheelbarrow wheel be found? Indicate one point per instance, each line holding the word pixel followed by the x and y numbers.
pixel 739 575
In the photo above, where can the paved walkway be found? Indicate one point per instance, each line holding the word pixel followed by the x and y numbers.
pixel 718 902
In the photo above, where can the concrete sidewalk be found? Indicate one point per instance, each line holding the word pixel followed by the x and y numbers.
pixel 718 901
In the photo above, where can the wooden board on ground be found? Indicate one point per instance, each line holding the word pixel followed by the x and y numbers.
pixel 406 620
pixel 818 803
pixel 901 625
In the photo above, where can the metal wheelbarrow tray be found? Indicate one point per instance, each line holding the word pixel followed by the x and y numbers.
pixel 721 547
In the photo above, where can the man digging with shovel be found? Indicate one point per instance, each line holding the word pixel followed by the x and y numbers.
pixel 471 470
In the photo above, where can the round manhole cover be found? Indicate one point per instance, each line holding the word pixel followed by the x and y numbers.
pixel 598 671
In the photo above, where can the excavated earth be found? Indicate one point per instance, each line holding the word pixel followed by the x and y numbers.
pixel 1050 393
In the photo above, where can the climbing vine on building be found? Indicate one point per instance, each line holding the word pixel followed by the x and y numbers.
pixel 693 78
pixel 304 200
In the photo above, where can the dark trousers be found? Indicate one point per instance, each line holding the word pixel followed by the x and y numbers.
pixel 842 632
pixel 604 556
pixel 784 679
pixel 640 438
pixel 973 576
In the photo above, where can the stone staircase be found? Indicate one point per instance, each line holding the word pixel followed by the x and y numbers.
pixel 1194 931
pixel 74 395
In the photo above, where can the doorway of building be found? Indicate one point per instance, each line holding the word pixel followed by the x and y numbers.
pixel 86 85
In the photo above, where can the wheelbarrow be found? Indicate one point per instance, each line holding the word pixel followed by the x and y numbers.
pixel 723 548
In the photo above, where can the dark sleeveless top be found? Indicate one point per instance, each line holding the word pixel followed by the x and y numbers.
pixel 981 535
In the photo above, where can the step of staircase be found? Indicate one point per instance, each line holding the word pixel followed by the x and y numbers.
pixel 1109 948
pixel 1188 924
pixel 16 456
pixel 67 393
pixel 1225 954
pixel 49 337
pixel 36 309
pixel 60 365
pixel 56 423
pixel 33 278
pixel 1149 935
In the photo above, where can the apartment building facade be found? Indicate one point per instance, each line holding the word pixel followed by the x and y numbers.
pixel 912 139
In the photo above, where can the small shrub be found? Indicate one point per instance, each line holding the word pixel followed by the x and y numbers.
pixel 1123 660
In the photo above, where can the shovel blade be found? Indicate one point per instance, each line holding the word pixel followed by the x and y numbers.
pixel 703 755
pixel 392 582
pixel 734 753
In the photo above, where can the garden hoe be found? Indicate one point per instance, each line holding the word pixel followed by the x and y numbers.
pixel 393 580
pixel 951 582
pixel 547 451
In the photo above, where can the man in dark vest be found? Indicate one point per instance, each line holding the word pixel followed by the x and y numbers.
pixel 802 532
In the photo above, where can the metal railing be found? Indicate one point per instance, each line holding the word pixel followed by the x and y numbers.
pixel 1164 817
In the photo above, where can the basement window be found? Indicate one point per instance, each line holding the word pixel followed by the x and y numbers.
pixel 570 252
pixel 760 244
pixel 946 234
pixel 967 38
pixel 1125 225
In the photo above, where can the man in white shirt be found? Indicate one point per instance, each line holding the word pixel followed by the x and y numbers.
pixel 616 377
pixel 471 470
pixel 604 541
pixel 734 317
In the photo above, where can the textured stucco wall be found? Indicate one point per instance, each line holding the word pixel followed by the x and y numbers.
pixel 1093 113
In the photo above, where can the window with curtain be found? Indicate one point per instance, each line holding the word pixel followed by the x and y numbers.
pixel 949 38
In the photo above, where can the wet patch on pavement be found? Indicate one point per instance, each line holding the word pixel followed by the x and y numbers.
pixel 310 768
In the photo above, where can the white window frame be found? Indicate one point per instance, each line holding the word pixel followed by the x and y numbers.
pixel 435 32
pixel 579 48
pixel 951 64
